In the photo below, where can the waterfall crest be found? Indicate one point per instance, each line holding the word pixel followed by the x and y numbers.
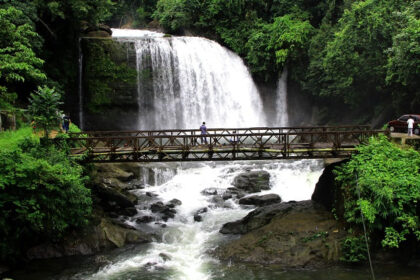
pixel 183 81
pixel 282 117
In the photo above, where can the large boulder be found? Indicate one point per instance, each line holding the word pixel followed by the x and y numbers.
pixel 296 234
pixel 252 181
pixel 260 200
pixel 327 192
pixel 113 200
pixel 102 236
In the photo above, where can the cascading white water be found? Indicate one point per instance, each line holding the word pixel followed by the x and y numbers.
pixel 282 117
pixel 183 81
pixel 185 243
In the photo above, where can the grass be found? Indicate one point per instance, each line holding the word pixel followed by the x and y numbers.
pixel 10 140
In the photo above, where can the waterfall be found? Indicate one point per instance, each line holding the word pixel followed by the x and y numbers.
pixel 282 117
pixel 80 85
pixel 183 81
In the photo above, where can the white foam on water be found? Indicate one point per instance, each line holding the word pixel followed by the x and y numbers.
pixel 187 242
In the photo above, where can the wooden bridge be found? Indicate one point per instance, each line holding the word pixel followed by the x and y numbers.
pixel 219 144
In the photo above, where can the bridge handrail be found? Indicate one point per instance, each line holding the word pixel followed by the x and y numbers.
pixel 329 128
pixel 229 134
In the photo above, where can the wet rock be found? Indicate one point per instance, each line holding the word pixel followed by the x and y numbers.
pixel 129 211
pixel 174 202
pixel 252 181
pixel 150 194
pixel 257 218
pixel 101 259
pixel 145 219
pixel 115 201
pixel 227 196
pixel 292 235
pixel 235 192
pixel 157 207
pixel 135 185
pixel 218 201
pixel 122 224
pixel 327 191
pixel 113 170
pixel 209 191
pixel 165 257
pixel 260 200
pixel 169 212
pixel 197 215
pixel 104 235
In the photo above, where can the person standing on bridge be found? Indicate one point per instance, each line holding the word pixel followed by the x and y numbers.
pixel 410 123
pixel 203 130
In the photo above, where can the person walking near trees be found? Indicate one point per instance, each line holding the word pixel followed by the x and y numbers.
pixel 66 123
pixel 410 123
pixel 203 130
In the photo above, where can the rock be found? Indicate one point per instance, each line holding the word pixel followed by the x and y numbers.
pixel 113 170
pixel 219 202
pixel 169 212
pixel 209 191
pixel 101 259
pixel 157 207
pixel 122 224
pixel 165 257
pixel 235 192
pixel 112 200
pixel 145 219
pixel 197 215
pixel 257 218
pixel 150 194
pixel 327 192
pixel 252 181
pixel 198 218
pixel 174 202
pixel 227 196
pixel 102 236
pixel 129 211
pixel 292 235
pixel 260 200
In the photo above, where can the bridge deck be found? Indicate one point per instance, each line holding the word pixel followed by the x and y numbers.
pixel 222 144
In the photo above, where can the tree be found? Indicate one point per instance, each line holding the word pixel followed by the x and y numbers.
pixel 44 109
pixel 42 193
pixel 388 181
pixel 18 61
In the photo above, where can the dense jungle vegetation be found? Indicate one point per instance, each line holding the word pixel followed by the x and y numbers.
pixel 363 55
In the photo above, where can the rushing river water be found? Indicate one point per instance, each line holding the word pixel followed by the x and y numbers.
pixel 183 247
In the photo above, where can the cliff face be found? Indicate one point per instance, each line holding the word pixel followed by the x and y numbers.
pixel 109 84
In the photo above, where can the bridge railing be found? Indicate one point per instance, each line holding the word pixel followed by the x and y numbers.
pixel 223 146
pixel 226 131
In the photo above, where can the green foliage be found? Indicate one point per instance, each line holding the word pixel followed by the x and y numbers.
pixel 18 61
pixel 403 68
pixel 388 180
pixel 104 72
pixel 353 250
pixel 42 194
pixel 44 109
pixel 172 14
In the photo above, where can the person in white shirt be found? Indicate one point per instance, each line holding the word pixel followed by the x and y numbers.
pixel 410 123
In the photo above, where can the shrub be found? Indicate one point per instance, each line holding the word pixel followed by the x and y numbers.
pixel 388 180
pixel 42 195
